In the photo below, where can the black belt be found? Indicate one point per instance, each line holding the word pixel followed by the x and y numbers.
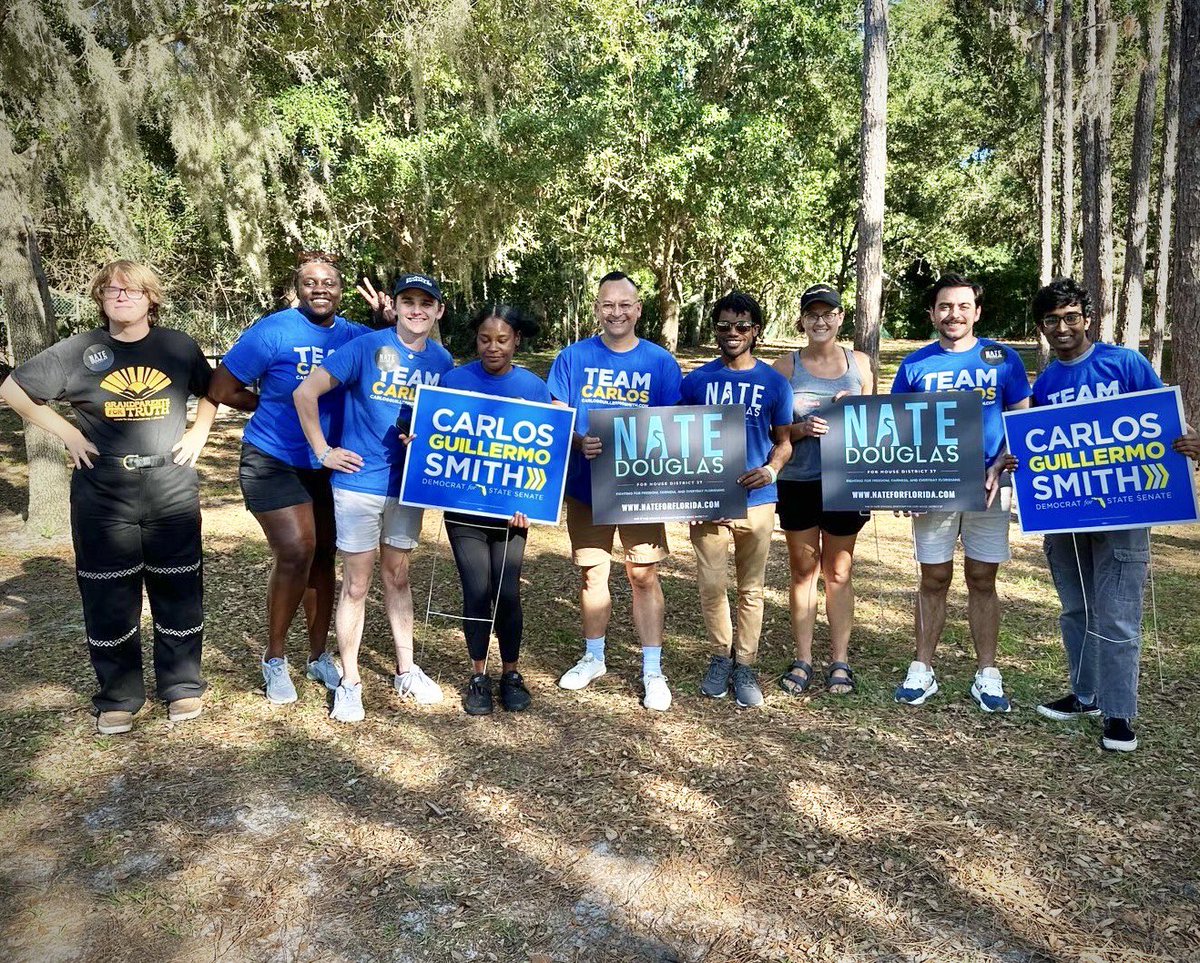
pixel 134 462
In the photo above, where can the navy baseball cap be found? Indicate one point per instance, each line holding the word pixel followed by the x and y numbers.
pixel 821 293
pixel 422 282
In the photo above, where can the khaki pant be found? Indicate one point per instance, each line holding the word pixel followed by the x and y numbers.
pixel 751 545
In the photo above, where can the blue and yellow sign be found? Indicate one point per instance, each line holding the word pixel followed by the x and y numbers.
pixel 486 455
pixel 1096 465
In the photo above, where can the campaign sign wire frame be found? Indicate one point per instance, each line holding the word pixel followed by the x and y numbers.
pixel 914 451
pixel 668 464
pixel 486 455
pixel 1091 466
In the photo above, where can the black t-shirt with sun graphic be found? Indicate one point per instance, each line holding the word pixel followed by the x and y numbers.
pixel 130 397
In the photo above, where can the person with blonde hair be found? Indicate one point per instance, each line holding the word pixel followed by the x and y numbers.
pixel 135 496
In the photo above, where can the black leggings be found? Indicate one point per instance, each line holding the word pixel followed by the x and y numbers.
pixel 480 555
pixel 132 528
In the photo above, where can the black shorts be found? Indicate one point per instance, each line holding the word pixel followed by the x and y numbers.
pixel 799 507
pixel 269 484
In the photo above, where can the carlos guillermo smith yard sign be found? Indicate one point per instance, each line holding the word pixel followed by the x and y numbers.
pixel 487 456
pixel 1094 465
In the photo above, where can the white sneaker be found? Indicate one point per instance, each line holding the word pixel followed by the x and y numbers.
pixel 988 690
pixel 416 685
pixel 917 686
pixel 658 696
pixel 347 704
pixel 582 672
pixel 280 689
pixel 324 669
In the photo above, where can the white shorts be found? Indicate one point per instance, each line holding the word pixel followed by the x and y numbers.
pixel 364 520
pixel 984 534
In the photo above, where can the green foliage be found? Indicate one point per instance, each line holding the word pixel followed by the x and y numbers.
pixel 521 151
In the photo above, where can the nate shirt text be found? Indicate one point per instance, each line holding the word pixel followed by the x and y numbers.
pixel 728 393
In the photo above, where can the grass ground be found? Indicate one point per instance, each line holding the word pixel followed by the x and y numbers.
pixel 586 829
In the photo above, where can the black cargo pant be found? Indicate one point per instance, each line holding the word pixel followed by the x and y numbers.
pixel 131 526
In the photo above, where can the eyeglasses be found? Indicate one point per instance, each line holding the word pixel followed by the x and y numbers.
pixel 742 326
pixel 112 292
pixel 321 257
pixel 1072 319
pixel 618 307
pixel 812 318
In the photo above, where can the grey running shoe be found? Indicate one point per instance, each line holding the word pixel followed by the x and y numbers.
pixel 279 681
pixel 716 679
pixel 745 687
pixel 324 669
pixel 347 704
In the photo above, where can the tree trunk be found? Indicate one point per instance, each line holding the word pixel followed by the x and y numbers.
pixel 668 297
pixel 1066 217
pixel 1106 55
pixel 1185 269
pixel 873 134
pixel 698 318
pixel 1129 319
pixel 1166 193
pixel 32 329
pixel 1046 186
pixel 1089 202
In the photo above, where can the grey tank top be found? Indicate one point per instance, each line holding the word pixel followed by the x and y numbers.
pixel 812 396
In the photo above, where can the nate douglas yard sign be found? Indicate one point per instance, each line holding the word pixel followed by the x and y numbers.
pixel 668 464
pixel 911 452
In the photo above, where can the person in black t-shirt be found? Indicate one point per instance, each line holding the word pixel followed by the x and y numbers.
pixel 135 497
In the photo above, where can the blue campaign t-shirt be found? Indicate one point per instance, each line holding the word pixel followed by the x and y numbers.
pixel 381 375
pixel 520 384
pixel 587 375
pixel 1103 371
pixel 768 400
pixel 281 349
pixel 992 369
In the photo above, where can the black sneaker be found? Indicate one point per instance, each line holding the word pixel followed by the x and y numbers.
pixel 513 694
pixel 1118 736
pixel 478 700
pixel 1066 708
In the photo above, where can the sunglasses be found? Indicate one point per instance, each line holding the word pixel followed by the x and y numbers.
pixel 742 326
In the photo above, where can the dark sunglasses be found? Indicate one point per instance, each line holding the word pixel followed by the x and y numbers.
pixel 742 326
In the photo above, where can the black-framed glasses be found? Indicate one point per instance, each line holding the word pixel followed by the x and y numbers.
pixel 742 326
pixel 834 316
pixel 112 291
pixel 1072 319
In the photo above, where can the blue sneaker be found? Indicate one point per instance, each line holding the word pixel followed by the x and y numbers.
pixel 279 681
pixel 917 686
pixel 716 681
pixel 324 669
pixel 988 690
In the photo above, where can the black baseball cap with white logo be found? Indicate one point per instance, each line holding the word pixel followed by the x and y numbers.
pixel 421 282
pixel 821 293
